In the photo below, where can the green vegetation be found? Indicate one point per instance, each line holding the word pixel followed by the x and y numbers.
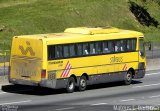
pixel 19 17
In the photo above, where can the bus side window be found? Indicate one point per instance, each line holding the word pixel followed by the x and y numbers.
pixel 51 52
pixel 72 50
pixel 128 45
pixel 98 47
pixel 106 47
pixel 85 49
pixel 131 45
pixel 79 49
pixel 58 51
pixel 118 46
pixel 92 48
pixel 66 51
pixel 124 45
pixel 111 46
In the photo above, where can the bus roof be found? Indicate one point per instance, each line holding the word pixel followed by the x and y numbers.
pixel 85 34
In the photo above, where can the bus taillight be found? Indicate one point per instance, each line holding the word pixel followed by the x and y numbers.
pixel 43 74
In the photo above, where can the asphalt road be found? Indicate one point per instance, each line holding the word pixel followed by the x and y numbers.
pixel 140 95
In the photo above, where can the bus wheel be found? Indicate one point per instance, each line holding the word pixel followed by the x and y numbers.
pixel 128 78
pixel 70 85
pixel 82 83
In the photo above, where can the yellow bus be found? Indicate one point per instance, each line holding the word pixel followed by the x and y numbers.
pixel 77 57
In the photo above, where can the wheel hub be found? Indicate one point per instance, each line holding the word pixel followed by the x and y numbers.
pixel 71 85
pixel 128 77
pixel 83 83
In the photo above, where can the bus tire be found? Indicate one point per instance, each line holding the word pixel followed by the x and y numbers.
pixel 128 78
pixel 70 85
pixel 82 83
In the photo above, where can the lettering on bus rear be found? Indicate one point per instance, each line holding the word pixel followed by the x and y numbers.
pixel 25 72
pixel 26 68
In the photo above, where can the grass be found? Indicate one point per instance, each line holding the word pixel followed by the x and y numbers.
pixel 19 17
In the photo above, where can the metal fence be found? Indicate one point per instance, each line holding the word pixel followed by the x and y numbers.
pixel 152 50
pixel 4 62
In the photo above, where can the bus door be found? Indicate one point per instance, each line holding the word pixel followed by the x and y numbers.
pixel 142 54
pixel 142 59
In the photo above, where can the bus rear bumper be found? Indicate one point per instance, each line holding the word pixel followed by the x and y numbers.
pixel 23 82
pixel 54 84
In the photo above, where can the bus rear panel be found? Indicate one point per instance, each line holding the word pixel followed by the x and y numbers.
pixel 26 61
